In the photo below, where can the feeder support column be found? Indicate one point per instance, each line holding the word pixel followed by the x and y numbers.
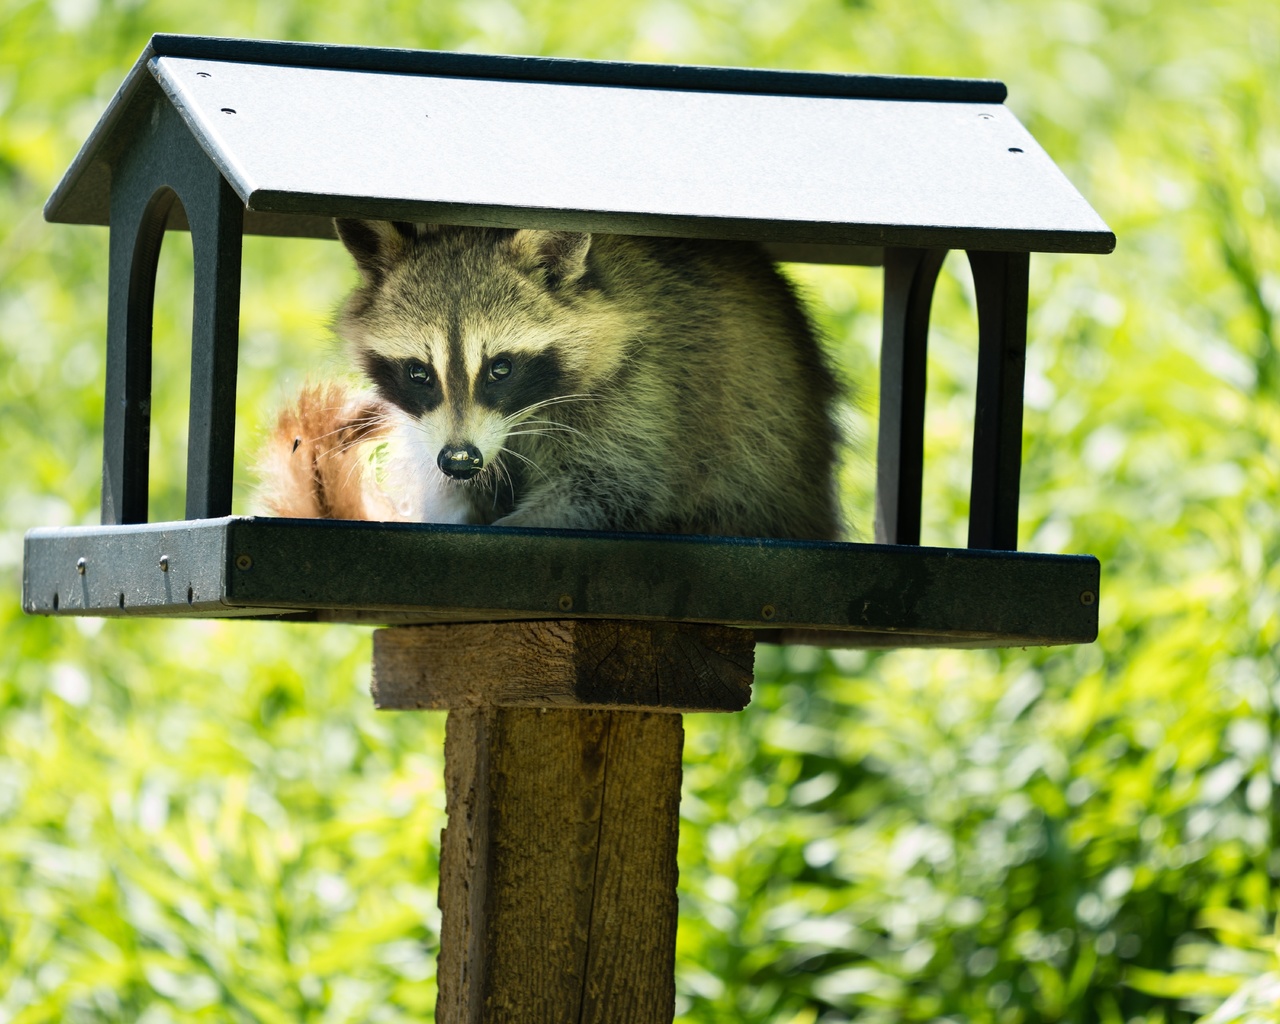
pixel 217 218
pixel 1000 282
pixel 562 771
pixel 161 177
pixel 909 279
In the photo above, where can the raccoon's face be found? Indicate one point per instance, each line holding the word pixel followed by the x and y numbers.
pixel 475 332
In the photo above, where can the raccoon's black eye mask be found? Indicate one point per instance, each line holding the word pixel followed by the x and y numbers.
pixel 408 383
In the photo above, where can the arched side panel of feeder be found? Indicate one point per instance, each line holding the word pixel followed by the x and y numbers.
pixel 1000 283
pixel 159 166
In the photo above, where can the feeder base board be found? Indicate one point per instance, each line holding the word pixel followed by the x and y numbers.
pixel 830 594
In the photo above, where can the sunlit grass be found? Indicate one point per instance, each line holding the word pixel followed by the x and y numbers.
pixel 206 821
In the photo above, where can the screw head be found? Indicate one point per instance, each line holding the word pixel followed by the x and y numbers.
pixel 81 565
pixel 164 563
pixel 767 612
pixel 244 562
pixel 566 603
pixel 1088 598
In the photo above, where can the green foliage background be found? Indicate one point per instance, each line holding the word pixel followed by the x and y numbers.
pixel 208 822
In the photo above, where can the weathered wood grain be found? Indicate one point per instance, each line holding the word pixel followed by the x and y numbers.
pixel 580 663
pixel 562 770
pixel 558 867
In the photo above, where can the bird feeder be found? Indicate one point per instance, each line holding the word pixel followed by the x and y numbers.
pixel 222 137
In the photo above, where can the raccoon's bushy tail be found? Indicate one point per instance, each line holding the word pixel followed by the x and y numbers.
pixel 318 462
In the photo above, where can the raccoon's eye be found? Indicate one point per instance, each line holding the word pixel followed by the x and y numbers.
pixel 419 373
pixel 499 369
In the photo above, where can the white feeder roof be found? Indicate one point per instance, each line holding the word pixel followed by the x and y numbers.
pixel 304 131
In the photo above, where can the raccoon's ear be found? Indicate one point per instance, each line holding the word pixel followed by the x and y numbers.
pixel 561 255
pixel 376 245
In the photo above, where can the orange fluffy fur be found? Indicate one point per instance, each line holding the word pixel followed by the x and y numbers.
pixel 317 461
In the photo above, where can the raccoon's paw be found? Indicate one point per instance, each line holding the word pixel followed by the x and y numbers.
pixel 517 518
pixel 316 463
pixel 549 516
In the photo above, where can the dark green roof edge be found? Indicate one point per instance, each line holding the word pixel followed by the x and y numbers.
pixel 581 72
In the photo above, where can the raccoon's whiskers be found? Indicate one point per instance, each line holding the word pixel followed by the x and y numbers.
pixel 363 427
pixel 496 468
pixel 337 449
pixel 529 462
pixel 330 433
pixel 545 432
pixel 520 414
pixel 344 444
pixel 353 472
pixel 549 424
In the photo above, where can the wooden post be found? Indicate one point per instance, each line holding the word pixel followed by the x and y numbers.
pixel 558 865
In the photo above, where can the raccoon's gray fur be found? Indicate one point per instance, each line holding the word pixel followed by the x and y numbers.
pixel 602 382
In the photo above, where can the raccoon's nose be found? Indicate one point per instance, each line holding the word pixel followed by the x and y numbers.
pixel 460 461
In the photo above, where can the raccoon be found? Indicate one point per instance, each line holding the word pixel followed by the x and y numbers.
pixel 595 381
